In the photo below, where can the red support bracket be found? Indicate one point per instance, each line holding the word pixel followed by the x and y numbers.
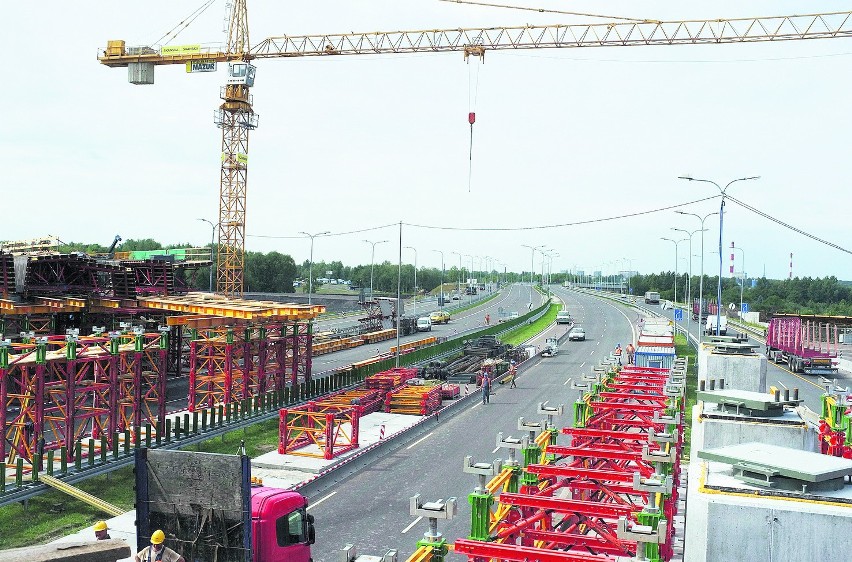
pixel 559 505
pixel 515 553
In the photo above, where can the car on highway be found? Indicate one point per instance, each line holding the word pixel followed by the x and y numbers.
pixel 563 317
pixel 456 296
pixel 505 317
pixel 424 324
pixel 439 317
pixel 577 333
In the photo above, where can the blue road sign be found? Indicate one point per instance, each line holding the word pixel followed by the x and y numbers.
pixel 745 307
pixel 678 315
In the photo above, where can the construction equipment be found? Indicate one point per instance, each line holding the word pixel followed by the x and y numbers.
pixel 236 116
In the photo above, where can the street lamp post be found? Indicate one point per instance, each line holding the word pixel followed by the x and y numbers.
pixel 689 280
pixel 742 276
pixel 700 281
pixel 470 293
pixel 414 307
pixel 212 242
pixel 532 267
pixel 676 243
pixel 441 292
pixel 311 262
pixel 372 262
pixel 723 191
pixel 458 283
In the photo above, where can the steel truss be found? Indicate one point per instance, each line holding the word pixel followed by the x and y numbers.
pixel 59 389
pixel 228 364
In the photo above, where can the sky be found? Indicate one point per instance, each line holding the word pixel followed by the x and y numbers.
pixel 352 143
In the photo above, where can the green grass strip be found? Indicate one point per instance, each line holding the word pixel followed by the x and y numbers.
pixel 522 333
pixel 683 349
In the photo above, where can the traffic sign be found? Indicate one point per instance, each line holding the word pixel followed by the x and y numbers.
pixel 745 307
pixel 678 315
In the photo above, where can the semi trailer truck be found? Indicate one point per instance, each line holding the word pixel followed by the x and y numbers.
pixel 806 344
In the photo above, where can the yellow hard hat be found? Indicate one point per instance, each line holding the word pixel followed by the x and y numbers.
pixel 101 526
pixel 158 537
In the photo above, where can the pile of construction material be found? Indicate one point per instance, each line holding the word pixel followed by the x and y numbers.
pixel 414 400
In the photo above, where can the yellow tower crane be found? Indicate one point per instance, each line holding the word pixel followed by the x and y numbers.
pixel 236 117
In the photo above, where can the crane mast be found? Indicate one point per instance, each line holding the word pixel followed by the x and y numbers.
pixel 236 118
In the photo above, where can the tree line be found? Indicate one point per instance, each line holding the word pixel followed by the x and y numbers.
pixel 274 272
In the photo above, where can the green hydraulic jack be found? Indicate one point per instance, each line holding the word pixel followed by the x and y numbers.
pixel 549 427
pixel 513 444
pixel 481 499
pixel 433 511
pixel 582 411
pixel 531 454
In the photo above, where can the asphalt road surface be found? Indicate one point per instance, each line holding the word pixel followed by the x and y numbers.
pixel 371 510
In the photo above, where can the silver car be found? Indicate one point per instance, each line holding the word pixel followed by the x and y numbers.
pixel 577 333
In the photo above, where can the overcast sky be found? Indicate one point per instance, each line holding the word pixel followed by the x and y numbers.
pixel 347 143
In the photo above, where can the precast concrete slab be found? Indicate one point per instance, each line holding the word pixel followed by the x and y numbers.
pixel 731 520
pixel 790 463
pixel 371 428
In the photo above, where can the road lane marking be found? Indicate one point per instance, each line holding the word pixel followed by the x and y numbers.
pixel 425 437
pixel 598 343
pixel 412 524
pixel 592 353
pixel 566 382
pixel 581 364
pixel 316 503
pixel 497 448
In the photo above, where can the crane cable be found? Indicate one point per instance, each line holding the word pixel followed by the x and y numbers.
pixel 548 11
pixel 177 29
pixel 472 94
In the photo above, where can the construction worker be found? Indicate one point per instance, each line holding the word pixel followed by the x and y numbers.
pixel 487 319
pixel 158 552
pixel 101 531
pixel 512 372
pixel 486 386
pixel 630 353
pixel 618 353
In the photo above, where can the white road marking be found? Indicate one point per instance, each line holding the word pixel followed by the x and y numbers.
pixel 495 450
pixel 581 364
pixel 412 524
pixel 316 503
pixel 592 353
pixel 566 382
pixel 598 343
pixel 425 437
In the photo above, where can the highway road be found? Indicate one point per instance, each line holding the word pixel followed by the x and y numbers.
pixel 810 386
pixel 371 510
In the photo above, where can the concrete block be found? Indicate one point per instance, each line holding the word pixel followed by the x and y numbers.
pixel 712 429
pixel 745 372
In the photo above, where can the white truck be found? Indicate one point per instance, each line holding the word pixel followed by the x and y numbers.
pixel 652 297
pixel 710 326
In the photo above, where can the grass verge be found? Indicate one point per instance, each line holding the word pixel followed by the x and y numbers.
pixel 683 349
pixel 53 514
pixel 523 333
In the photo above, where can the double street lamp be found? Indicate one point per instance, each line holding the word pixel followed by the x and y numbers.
pixel 742 275
pixel 311 262
pixel 372 262
pixel 723 191
pixel 441 292
pixel 532 267
pixel 414 306
pixel 701 281
pixel 676 243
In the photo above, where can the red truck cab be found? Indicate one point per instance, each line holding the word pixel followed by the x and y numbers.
pixel 282 530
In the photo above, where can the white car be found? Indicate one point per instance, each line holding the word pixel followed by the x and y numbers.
pixel 577 333
pixel 424 324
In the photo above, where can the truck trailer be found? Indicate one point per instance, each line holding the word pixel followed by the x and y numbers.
pixel 807 344
pixel 209 508
pixel 652 297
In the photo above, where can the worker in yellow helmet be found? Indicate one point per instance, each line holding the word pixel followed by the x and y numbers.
pixel 101 531
pixel 158 552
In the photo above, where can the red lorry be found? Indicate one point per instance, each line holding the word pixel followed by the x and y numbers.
pixel 209 509
pixel 807 344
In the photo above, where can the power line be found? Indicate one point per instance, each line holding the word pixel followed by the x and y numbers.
pixel 368 229
pixel 787 225
pixel 562 225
